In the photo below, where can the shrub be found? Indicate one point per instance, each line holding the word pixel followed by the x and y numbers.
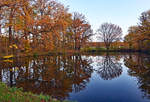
pixel 14 94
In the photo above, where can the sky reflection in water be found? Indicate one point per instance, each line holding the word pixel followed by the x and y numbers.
pixel 90 78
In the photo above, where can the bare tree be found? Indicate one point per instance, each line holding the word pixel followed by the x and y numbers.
pixel 109 33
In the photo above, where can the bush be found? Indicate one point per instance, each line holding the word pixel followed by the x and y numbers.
pixel 93 49
pixel 35 55
pixel 17 95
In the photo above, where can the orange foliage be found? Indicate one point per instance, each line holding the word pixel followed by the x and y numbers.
pixel 45 24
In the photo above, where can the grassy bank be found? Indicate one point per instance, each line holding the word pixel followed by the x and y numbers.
pixel 36 54
pixel 14 94
pixel 73 52
pixel 93 50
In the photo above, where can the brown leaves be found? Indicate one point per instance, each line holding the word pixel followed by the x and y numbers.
pixel 139 36
pixel 46 24
pixel 81 30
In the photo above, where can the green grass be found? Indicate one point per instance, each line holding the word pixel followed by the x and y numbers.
pixel 93 49
pixel 14 94
pixel 102 49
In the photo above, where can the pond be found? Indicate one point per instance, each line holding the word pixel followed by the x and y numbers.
pixel 82 78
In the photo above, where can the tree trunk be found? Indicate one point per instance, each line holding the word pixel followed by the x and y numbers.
pixel 0 29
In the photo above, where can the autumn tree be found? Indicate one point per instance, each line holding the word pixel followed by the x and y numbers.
pixel 81 30
pixel 139 36
pixel 132 37
pixel 39 24
pixel 51 22
pixel 144 29
pixel 42 25
pixel 109 33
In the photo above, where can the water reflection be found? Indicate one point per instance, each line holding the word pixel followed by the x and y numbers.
pixel 59 76
pixel 52 75
pixel 139 67
pixel 109 67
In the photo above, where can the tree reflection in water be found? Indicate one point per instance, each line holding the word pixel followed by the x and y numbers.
pixel 60 75
pixel 139 67
pixel 109 67
pixel 52 75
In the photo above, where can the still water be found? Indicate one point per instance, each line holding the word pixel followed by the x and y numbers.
pixel 82 78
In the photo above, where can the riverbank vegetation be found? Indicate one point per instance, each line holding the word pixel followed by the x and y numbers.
pixel 28 26
pixel 32 27
pixel 46 27
pixel 138 36
pixel 17 95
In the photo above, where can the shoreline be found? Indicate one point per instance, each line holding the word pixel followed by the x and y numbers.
pixel 36 54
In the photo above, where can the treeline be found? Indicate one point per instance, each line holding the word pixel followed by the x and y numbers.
pixel 46 25
pixel 40 25
pixel 138 37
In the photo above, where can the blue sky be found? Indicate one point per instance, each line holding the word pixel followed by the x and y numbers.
pixel 124 13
